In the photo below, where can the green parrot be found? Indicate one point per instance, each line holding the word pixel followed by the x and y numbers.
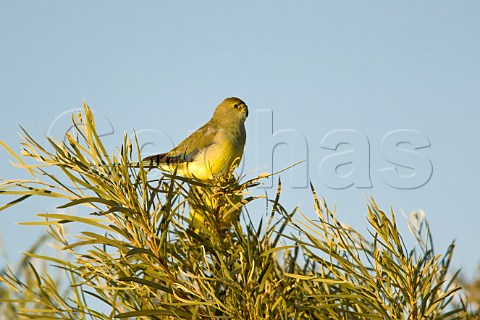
pixel 211 151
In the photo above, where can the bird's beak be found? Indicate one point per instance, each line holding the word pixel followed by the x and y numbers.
pixel 246 110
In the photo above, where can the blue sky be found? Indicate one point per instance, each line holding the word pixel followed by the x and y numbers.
pixel 356 76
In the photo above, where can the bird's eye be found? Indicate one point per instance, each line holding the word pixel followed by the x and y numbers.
pixel 235 106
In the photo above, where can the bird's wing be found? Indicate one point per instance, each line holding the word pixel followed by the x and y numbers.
pixel 186 150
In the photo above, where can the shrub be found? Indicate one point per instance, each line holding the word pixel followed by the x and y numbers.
pixel 141 255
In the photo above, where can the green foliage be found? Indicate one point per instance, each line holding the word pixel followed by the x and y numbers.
pixel 141 256
pixel 472 295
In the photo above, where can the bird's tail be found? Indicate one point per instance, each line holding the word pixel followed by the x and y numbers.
pixel 151 162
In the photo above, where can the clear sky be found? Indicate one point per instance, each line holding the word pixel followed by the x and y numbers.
pixel 391 90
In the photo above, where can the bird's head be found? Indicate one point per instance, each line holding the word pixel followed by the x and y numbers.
pixel 231 109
